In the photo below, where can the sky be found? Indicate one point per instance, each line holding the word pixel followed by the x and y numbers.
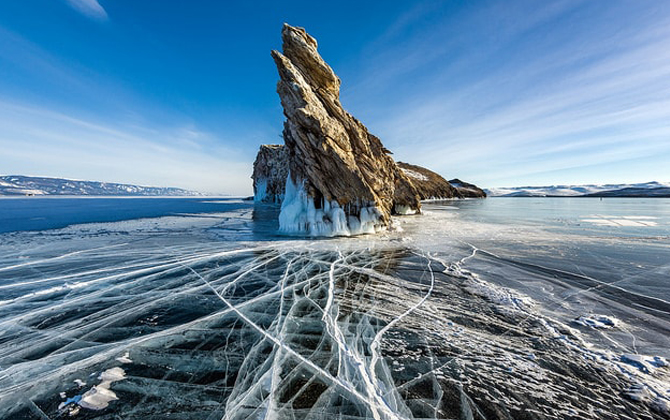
pixel 182 93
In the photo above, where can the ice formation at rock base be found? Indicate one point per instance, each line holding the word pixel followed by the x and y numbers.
pixel 299 215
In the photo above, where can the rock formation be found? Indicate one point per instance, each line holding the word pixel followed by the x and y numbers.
pixel 333 177
pixel 270 172
pixel 341 179
pixel 431 185
pixel 466 190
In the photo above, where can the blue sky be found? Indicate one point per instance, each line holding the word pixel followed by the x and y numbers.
pixel 182 93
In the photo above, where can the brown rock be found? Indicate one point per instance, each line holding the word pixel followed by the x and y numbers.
pixel 270 172
pixel 466 190
pixel 431 185
pixel 342 180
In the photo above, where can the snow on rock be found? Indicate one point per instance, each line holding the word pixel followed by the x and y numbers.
pixel 414 174
pixel 432 186
pixel 467 190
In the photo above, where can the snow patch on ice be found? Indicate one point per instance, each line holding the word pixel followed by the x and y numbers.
pixel 498 295
pixel 125 358
pixel 99 396
pixel 634 221
pixel 646 364
pixel 597 321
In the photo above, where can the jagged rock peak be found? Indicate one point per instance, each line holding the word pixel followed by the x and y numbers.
pixel 301 49
pixel 270 172
pixel 341 181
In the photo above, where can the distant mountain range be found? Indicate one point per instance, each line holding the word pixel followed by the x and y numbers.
pixel 647 189
pixel 27 185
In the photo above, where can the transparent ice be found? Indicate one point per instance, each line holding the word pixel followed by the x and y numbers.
pixel 218 318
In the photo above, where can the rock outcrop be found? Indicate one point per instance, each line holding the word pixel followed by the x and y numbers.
pixel 341 178
pixel 270 172
pixel 466 190
pixel 431 185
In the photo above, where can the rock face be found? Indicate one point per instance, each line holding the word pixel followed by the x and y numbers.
pixel 431 185
pixel 466 190
pixel 341 179
pixel 270 172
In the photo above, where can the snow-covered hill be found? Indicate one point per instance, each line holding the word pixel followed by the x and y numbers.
pixel 27 185
pixel 647 189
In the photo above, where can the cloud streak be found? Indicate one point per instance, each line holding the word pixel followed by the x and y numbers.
pixel 42 142
pixel 570 92
pixel 90 8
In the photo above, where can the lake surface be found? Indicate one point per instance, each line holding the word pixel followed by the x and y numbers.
pixel 196 308
pixel 40 213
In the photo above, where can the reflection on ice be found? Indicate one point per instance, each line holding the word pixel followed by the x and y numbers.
pixel 390 327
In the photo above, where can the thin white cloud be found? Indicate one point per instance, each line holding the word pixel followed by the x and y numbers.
pixel 554 102
pixel 38 141
pixel 90 8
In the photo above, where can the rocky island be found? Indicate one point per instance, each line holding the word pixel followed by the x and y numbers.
pixel 332 176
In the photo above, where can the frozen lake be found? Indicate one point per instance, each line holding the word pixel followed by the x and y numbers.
pixel 194 308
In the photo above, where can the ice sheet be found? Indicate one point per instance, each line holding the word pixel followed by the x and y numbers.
pixel 207 321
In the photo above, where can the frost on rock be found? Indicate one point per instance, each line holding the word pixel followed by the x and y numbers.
pixel 300 215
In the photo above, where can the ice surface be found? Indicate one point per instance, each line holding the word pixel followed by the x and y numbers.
pixel 636 221
pixel 597 321
pixel 218 318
